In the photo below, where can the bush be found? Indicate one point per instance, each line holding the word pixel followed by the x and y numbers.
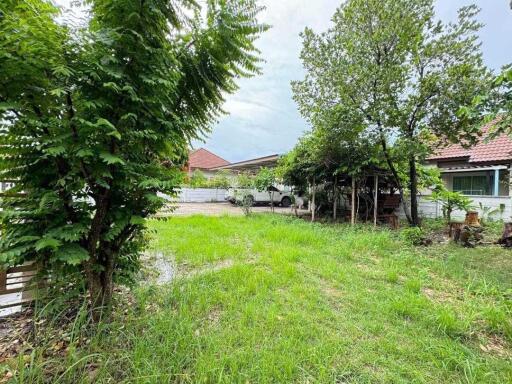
pixel 413 235
pixel 198 180
pixel 451 201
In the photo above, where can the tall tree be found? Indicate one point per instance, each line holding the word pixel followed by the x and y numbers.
pixel 401 71
pixel 95 122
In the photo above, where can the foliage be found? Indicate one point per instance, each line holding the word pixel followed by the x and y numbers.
pixel 298 167
pixel 412 235
pixel 244 180
pixel 429 178
pixel 451 201
pixel 390 71
pixel 221 180
pixel 264 181
pixel 198 180
pixel 245 201
pixel 494 106
pixel 487 213
pixel 96 121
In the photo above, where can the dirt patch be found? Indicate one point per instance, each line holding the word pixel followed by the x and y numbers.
pixel 219 209
pixel 15 331
pixel 449 296
pixel 167 270
pixel 497 346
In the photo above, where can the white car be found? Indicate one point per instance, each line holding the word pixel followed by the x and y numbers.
pixel 253 196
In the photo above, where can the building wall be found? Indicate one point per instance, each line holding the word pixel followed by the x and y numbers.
pixel 503 190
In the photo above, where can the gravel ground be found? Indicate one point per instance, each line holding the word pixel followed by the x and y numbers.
pixel 217 209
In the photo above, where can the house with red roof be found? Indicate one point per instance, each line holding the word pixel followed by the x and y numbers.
pixel 481 171
pixel 205 161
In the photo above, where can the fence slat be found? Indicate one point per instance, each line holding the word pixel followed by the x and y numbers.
pixel 22 268
pixel 18 280
pixel 15 303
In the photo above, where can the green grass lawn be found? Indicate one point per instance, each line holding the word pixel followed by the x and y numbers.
pixel 291 301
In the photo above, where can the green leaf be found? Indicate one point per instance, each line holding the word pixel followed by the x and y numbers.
pixel 55 151
pixel 84 152
pixel 111 159
pixel 137 220
pixel 115 133
pixel 57 92
pixel 72 254
pixel 105 123
pixel 47 242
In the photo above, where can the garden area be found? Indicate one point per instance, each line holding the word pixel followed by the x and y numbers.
pixel 276 299
pixel 113 284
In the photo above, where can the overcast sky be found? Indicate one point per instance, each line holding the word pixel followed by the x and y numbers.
pixel 263 119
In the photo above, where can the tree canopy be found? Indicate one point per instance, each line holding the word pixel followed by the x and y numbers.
pixel 388 68
pixel 94 122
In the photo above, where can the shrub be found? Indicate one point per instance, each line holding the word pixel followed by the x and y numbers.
pixel 412 235
pixel 451 201
pixel 198 180
pixel 244 180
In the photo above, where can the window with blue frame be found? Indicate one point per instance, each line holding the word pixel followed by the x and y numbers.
pixel 474 185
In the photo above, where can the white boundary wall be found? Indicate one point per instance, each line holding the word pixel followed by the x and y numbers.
pixel 432 209
pixel 199 195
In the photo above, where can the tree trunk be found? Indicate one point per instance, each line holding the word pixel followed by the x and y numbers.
pixel 396 177
pixel 101 285
pixel 94 285
pixel 413 185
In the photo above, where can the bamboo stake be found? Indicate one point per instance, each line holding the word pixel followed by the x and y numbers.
pixel 353 213
pixel 313 203
pixel 376 195
pixel 335 198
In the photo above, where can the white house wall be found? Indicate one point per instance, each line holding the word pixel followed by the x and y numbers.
pixel 503 189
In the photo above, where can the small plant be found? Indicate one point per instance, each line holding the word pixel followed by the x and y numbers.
pixel 413 285
pixel 245 201
pixel 264 181
pixel 448 322
pixel 487 213
pixel 391 276
pixel 451 201
pixel 413 236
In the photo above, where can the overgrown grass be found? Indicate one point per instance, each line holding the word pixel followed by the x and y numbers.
pixel 301 302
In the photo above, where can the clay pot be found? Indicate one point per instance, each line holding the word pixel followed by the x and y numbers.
pixel 472 219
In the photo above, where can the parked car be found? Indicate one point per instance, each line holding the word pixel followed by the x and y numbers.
pixel 253 196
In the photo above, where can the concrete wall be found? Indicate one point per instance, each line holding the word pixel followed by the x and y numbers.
pixel 433 209
pixel 199 195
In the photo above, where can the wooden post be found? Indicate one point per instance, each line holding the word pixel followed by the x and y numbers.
pixel 313 203
pixel 335 198
pixel 353 212
pixel 3 280
pixel 375 198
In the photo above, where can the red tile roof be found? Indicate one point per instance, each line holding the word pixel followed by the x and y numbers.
pixel 496 150
pixel 203 159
